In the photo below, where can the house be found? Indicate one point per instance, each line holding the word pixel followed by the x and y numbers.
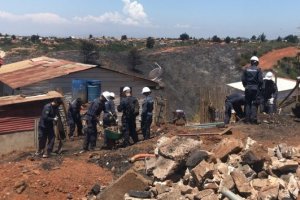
pixel 44 74
pixel 18 115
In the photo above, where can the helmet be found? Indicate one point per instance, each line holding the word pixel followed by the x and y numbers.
pixel 112 95
pixel 106 95
pixel 145 90
pixel 254 58
pixel 126 88
pixel 269 76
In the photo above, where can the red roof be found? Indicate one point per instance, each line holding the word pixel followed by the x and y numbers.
pixel 31 71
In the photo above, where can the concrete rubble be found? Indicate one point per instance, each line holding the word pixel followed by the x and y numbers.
pixel 234 169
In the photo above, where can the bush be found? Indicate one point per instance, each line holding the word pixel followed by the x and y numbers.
pixel 184 36
pixel 150 42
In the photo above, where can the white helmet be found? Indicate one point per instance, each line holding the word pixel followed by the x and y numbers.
pixel 126 88
pixel 269 76
pixel 112 95
pixel 145 90
pixel 254 58
pixel 106 95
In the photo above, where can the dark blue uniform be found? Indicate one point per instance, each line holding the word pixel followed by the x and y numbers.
pixel 252 80
pixel 128 118
pixel 146 115
pixel 46 129
pixel 74 118
pixel 110 116
pixel 234 101
pixel 94 110
pixel 269 90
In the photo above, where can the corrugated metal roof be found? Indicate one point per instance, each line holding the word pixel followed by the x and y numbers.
pixel 16 99
pixel 31 71
pixel 283 84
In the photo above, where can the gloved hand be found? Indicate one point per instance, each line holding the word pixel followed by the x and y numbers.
pixel 271 101
pixel 55 119
pixel 117 120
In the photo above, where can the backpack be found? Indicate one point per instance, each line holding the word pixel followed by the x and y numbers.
pixel 133 107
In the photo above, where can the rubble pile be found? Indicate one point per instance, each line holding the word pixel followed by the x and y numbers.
pixel 233 169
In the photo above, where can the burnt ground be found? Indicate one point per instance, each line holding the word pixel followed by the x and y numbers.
pixel 75 174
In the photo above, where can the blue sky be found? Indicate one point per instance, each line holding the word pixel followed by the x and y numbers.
pixel 143 18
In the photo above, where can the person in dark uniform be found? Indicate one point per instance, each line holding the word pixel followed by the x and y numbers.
pixel 147 109
pixel 252 80
pixel 179 117
pixel 46 127
pixel 269 94
pixel 94 111
pixel 110 116
pixel 234 101
pixel 129 106
pixel 74 118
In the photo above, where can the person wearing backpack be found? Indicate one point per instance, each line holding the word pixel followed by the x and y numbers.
pixel 130 107
pixel 146 115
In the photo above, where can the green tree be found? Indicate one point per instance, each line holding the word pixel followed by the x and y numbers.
pixel 34 38
pixel 227 39
pixel 134 58
pixel 184 36
pixel 262 37
pixel 90 52
pixel 13 37
pixel 279 39
pixel 292 39
pixel 124 37
pixel 253 37
pixel 150 42
pixel 215 38
pixel 90 36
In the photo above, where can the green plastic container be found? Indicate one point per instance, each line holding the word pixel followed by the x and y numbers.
pixel 112 134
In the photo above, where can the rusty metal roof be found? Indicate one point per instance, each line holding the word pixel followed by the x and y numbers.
pixel 17 99
pixel 31 71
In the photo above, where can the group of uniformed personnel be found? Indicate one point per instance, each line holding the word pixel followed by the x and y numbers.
pixel 129 106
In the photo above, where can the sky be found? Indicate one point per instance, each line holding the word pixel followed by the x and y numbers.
pixel 155 18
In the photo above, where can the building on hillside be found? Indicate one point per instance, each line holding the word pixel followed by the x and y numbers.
pixel 18 114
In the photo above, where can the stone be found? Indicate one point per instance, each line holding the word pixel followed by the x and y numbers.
pixel 178 148
pixel 130 180
pixel 249 172
pixel 186 177
pixel 150 164
pixel 127 197
pixel 212 186
pixel 287 151
pixel 234 160
pixel 96 189
pixel 20 186
pixel 284 194
pixel 202 171
pixel 164 168
pixel 161 141
pixel 185 189
pixel 190 196
pixel 227 182
pixel 275 181
pixel 174 194
pixel 196 157
pixel 269 192
pixel 284 166
pixel 204 193
pixel 161 188
pixel 226 147
pixel 139 194
pixel 298 172
pixel 293 187
pixel 255 157
pixel 69 196
pixel 262 174
pixel 241 182
pixel 249 143
pixel 210 197
pixel 259 183
pixel 222 168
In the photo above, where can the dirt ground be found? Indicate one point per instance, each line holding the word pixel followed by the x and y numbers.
pixel 270 59
pixel 73 174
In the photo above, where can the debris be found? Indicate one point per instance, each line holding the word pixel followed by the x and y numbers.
pixel 202 171
pixel 269 192
pixel 139 194
pixel 140 156
pixel 293 187
pixel 229 194
pixel 164 168
pixel 227 147
pixel 284 166
pixel 96 189
pixel 196 157
pixel 241 183
pixel 150 164
pixel 20 186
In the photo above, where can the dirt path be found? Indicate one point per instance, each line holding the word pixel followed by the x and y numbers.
pixel 270 59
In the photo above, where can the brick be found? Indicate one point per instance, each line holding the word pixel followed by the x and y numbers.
pixel 202 171
pixel 241 182
pixel 227 147
pixel 164 168
pixel 269 192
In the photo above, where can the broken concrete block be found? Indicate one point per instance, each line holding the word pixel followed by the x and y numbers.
pixel 173 194
pixel 202 171
pixel 269 192
pixel 161 141
pixel 255 157
pixel 212 186
pixel 179 148
pixel 190 196
pixel 204 193
pixel 161 188
pixel 293 187
pixel 222 168
pixel 185 189
pixel 283 166
pixel 196 157
pixel 249 172
pixel 259 183
pixel 234 160
pixel 150 164
pixel 275 181
pixel 241 182
pixel 284 194
pixel 130 180
pixel 164 168
pixel 227 182
pixel 287 151
pixel 226 147
pixel 249 143
pixel 210 197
